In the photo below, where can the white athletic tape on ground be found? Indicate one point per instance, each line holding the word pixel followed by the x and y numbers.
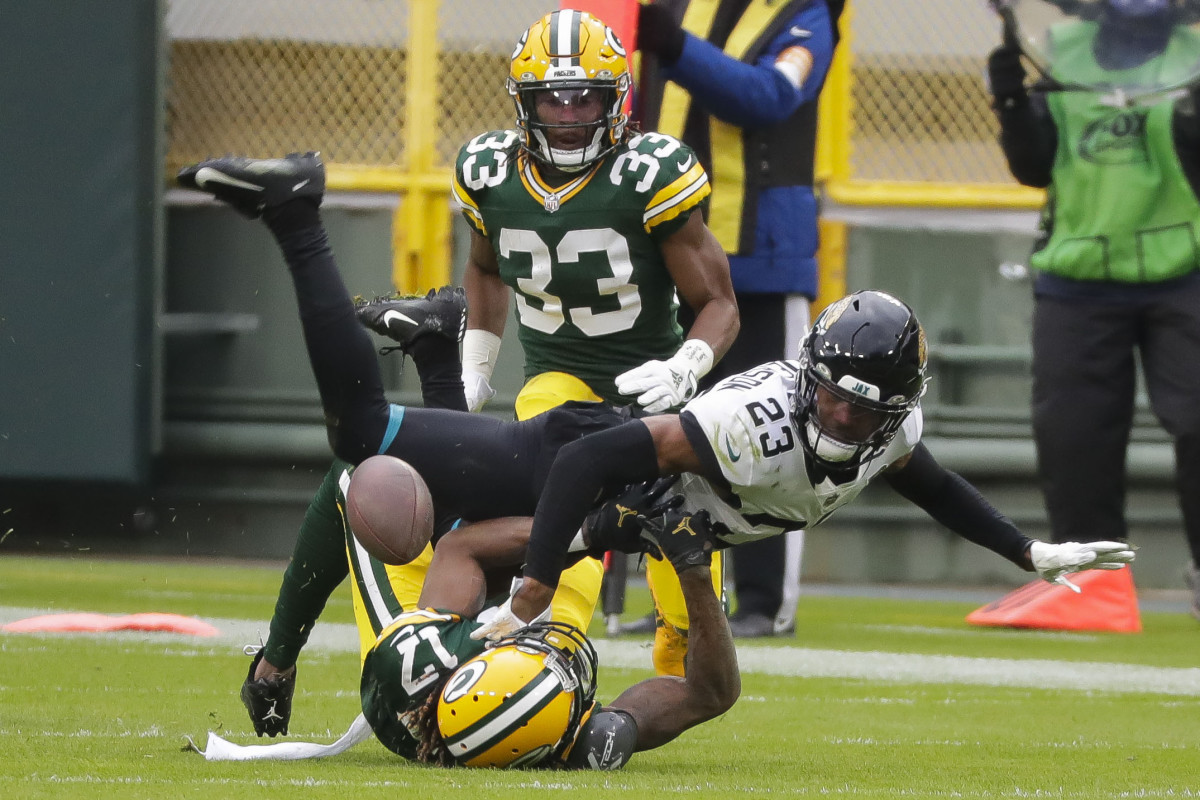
pixel 800 662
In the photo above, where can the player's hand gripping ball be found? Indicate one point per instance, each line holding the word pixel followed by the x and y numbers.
pixel 389 509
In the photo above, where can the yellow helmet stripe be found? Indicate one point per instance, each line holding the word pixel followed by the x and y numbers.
pixel 491 729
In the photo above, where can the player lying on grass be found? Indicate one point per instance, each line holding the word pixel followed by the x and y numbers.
pixel 776 448
pixel 432 692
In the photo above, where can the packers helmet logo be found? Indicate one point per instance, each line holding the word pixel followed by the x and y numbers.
pixel 460 683
pixel 613 42
pixel 520 46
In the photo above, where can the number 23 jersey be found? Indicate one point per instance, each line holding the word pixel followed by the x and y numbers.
pixel 594 297
pixel 746 420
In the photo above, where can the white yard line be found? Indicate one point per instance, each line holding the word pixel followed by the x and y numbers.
pixel 799 662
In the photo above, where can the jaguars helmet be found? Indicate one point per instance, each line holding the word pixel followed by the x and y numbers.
pixel 521 702
pixel 568 51
pixel 867 351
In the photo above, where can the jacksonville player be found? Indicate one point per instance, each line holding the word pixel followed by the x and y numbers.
pixel 596 229
pixel 783 446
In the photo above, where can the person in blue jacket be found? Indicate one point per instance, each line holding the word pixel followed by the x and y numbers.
pixel 738 81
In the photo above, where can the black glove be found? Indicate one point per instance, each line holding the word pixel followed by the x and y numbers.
pixel 269 700
pixel 682 537
pixel 614 524
pixel 1006 75
pixel 659 33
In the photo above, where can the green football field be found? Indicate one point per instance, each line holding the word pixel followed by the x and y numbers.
pixel 872 698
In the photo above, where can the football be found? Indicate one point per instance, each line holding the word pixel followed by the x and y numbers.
pixel 389 509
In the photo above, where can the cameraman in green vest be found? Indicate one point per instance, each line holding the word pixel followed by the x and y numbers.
pixel 1118 260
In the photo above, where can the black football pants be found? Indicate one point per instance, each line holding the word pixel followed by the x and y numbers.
pixel 1084 382
pixel 476 467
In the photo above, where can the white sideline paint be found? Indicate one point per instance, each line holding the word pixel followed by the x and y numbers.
pixel 800 662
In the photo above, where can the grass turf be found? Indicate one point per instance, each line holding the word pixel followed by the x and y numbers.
pixel 105 716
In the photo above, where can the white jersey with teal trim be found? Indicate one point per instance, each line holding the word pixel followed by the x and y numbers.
pixel 747 421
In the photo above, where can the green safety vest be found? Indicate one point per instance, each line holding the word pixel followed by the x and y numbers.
pixel 1119 206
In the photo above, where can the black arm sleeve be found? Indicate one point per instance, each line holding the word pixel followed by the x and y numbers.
pixel 1029 139
pixel 584 471
pixel 948 498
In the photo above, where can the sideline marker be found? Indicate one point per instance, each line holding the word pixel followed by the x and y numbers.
pixel 1108 602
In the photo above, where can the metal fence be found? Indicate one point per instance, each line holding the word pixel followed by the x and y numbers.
pixel 388 91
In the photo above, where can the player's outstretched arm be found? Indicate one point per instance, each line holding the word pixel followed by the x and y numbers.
pixel 951 500
pixel 666 706
pixel 588 468
pixel 457 576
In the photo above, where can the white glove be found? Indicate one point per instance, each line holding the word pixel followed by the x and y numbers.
pixel 1054 561
pixel 664 384
pixel 480 350
pixel 504 621
pixel 477 389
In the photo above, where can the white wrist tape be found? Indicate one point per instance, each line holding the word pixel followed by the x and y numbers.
pixel 480 350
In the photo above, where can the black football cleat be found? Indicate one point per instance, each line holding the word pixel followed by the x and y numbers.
pixel 269 700
pixel 251 185
pixel 403 319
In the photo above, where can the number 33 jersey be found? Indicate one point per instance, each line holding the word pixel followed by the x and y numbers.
pixel 594 297
pixel 746 421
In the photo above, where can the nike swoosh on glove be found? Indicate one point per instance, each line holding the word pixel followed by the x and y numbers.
pixel 1054 561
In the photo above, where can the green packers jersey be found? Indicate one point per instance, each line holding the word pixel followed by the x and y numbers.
pixel 594 297
pixel 411 659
